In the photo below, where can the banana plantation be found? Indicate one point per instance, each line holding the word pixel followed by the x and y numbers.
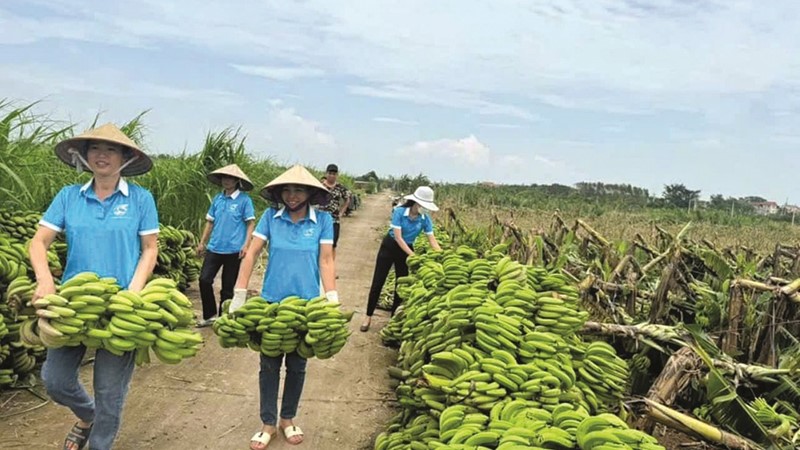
pixel 515 339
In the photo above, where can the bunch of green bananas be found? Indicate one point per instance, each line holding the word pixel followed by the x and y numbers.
pixel 18 295
pixel 607 431
pixel 176 256
pixel 95 312
pixel 7 377
pixel 327 328
pixel 386 299
pixel 602 371
pixel 24 361
pixel 313 328
pixel 515 425
pixel 14 258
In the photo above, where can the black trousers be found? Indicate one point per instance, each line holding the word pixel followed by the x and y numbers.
pixel 336 228
pixel 390 254
pixel 230 270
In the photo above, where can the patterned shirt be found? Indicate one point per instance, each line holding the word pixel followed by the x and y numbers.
pixel 339 195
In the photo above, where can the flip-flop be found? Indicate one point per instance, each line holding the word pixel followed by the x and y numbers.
pixel 78 436
pixel 364 328
pixel 293 431
pixel 261 438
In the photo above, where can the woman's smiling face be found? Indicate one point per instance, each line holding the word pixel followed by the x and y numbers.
pixel 104 159
pixel 294 196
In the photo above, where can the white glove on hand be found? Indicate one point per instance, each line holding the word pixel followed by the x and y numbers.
pixel 239 297
pixel 332 296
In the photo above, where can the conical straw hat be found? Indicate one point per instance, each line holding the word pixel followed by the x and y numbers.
pixel 297 175
pixel 106 133
pixel 231 170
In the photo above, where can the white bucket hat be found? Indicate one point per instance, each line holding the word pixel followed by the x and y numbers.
pixel 423 195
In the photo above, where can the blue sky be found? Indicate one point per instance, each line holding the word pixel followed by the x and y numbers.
pixel 705 93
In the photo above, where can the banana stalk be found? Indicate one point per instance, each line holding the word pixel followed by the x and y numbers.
pixel 689 425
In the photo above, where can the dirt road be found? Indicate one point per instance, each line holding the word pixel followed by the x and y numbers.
pixel 211 401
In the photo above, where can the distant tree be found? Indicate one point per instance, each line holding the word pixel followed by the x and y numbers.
pixel 754 199
pixel 679 195
pixel 369 176
pixel 718 201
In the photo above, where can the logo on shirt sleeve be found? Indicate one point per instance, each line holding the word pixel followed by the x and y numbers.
pixel 121 210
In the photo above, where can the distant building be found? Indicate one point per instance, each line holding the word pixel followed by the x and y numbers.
pixel 791 209
pixel 487 184
pixel 766 208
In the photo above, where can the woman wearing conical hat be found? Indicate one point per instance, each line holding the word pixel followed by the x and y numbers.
pixel 300 240
pixel 229 226
pixel 111 228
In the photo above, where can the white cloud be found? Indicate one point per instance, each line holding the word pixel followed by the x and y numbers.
pixel 106 82
pixel 443 98
pixel 279 73
pixel 468 150
pixel 395 121
pixel 606 55
pixel 501 125
pixel 294 138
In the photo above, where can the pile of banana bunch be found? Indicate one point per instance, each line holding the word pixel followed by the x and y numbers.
pixel 18 360
pixel 16 229
pixel 505 333
pixel 516 425
pixel 314 328
pixel 177 257
pixel 20 225
pixel 97 313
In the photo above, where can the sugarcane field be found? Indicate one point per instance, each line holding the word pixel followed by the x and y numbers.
pixel 544 321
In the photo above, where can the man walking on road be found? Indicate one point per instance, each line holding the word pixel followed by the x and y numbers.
pixel 340 200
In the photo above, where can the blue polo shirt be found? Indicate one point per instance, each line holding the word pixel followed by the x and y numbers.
pixel 230 214
pixel 409 228
pixel 293 267
pixel 103 236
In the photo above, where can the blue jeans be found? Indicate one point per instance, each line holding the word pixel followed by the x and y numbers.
pixel 269 380
pixel 112 375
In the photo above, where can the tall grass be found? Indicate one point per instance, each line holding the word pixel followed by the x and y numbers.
pixel 31 174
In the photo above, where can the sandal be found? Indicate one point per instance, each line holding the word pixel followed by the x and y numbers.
pixel 78 436
pixel 260 438
pixel 293 431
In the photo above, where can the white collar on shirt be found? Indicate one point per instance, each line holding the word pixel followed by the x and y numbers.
pixel 234 195
pixel 122 186
pixel 408 212
pixel 311 213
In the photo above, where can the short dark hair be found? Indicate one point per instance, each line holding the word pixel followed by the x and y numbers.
pixel 332 168
pixel 408 203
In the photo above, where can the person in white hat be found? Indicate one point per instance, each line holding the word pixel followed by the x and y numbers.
pixel 300 240
pixel 229 226
pixel 111 228
pixel 408 221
